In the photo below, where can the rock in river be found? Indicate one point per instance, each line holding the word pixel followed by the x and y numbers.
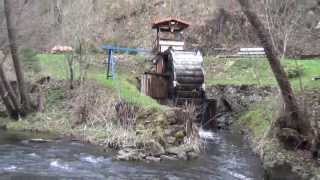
pixel 154 148
pixel 180 151
pixel 129 155
pixel 169 158
pixel 153 159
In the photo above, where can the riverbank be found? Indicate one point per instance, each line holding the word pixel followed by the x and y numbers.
pixel 105 112
pixel 279 163
pixel 253 110
pixel 92 113
pixel 258 117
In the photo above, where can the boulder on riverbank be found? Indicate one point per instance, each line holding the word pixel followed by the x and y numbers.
pixel 164 137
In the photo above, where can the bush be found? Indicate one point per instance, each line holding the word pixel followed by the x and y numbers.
pixel 94 105
pixel 294 71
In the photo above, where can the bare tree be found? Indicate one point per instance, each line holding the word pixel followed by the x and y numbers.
pixel 24 97
pixel 294 119
pixel 78 26
pixel 283 18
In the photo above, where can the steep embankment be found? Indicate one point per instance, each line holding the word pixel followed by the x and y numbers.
pixel 257 106
pixel 280 162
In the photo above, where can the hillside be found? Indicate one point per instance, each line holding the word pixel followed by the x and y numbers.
pixel 215 23
pixel 122 22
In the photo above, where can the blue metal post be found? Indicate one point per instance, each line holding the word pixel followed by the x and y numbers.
pixel 109 63
pixel 113 69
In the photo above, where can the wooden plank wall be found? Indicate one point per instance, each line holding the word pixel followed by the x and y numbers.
pixel 160 66
pixel 155 86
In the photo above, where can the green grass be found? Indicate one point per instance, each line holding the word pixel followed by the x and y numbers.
pixel 260 116
pixel 311 70
pixel 56 67
pixel 257 121
pixel 257 71
pixel 127 91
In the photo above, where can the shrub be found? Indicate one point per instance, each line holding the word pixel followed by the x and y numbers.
pixel 94 105
pixel 294 71
pixel 127 113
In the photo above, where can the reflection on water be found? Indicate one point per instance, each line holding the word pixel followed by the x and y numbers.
pixel 226 157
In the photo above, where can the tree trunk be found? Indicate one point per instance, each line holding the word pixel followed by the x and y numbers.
pixel 294 119
pixel 7 87
pixel 41 100
pixel 71 69
pixel 13 113
pixel 25 99
pixel 7 94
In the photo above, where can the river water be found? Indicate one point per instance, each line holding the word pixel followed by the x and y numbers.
pixel 226 157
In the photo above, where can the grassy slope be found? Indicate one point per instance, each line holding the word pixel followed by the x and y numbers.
pixel 56 66
pixel 57 118
pixel 127 91
pixel 219 71
pixel 256 71
pixel 53 65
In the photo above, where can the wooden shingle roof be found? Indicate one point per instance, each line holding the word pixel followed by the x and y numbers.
pixel 167 22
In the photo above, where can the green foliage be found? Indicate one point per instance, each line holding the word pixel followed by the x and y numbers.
pixel 294 71
pixel 30 60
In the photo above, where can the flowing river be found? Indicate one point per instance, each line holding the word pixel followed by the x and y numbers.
pixel 226 157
